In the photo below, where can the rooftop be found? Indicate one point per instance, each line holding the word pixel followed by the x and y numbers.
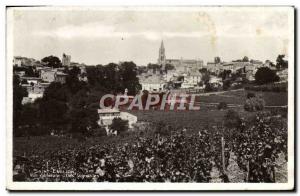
pixel 108 110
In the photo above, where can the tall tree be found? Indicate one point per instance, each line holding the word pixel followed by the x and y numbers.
pixel 217 60
pixel 128 73
pixel 72 80
pixel 281 63
pixel 245 59
pixel 18 94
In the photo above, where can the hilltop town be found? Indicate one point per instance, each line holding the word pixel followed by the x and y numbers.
pixel 183 75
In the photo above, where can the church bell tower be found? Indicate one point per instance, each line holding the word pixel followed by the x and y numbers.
pixel 162 55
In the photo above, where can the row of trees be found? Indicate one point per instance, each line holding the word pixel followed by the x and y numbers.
pixel 281 63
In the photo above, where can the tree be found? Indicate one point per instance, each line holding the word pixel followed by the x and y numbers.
pixel 96 75
pixel 265 75
pixel 281 63
pixel 226 84
pixel 53 113
pixel 203 70
pixel 245 59
pixel 169 67
pixel 205 78
pixel 119 125
pixel 83 121
pixel 52 61
pixel 53 107
pixel 129 79
pixel 72 80
pixel 217 60
pixel 31 72
pixel 208 87
pixel 18 94
pixel 56 91
pixel 153 66
pixel 180 78
pixel 30 120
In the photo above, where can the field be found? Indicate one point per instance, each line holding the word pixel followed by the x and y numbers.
pixel 239 97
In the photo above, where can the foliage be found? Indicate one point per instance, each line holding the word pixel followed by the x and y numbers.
pixel 153 66
pixel 281 63
pixel 30 71
pixel 169 67
pixel 205 78
pixel 250 95
pixel 222 105
pixel 265 75
pixel 203 70
pixel 225 74
pixel 72 80
pixel 226 84
pixel 18 93
pixel 245 59
pixel 180 78
pixel 114 78
pixel 83 115
pixel 232 119
pixel 217 60
pixel 129 79
pixel 208 88
pixel 52 61
pixel 254 104
pixel 119 125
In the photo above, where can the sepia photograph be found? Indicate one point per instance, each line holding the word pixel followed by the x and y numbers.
pixel 150 98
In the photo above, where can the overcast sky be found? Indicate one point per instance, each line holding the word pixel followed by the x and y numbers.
pixel 95 36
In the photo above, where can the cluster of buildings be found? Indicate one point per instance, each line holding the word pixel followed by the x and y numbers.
pixel 44 75
pixel 186 73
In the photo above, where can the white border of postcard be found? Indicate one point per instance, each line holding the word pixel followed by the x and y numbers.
pixel 106 186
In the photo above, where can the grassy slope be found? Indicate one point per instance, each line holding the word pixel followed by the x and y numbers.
pixel 239 97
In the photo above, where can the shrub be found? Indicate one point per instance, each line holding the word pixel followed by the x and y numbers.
pixel 250 95
pixel 254 104
pixel 119 125
pixel 222 105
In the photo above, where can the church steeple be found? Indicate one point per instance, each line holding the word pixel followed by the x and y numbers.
pixel 162 55
pixel 162 45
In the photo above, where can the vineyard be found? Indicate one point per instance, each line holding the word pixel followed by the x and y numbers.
pixel 255 151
